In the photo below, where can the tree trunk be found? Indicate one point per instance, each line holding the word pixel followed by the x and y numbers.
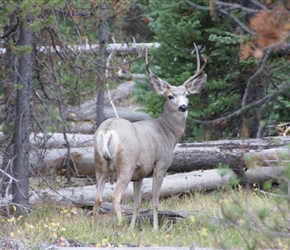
pixel 100 106
pixel 103 40
pixel 20 188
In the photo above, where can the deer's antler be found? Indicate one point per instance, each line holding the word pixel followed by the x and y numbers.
pixel 146 61
pixel 198 69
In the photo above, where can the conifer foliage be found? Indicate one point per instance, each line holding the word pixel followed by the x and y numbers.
pixel 232 103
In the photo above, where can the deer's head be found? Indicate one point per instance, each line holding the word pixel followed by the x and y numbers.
pixel 177 97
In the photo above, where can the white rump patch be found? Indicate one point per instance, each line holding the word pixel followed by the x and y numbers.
pixel 107 143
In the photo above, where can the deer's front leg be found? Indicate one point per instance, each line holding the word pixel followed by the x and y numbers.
pixel 158 177
pixel 137 185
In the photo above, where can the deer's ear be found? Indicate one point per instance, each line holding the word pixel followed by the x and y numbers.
pixel 158 85
pixel 196 85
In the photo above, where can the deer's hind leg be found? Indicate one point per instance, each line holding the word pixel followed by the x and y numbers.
pixel 122 183
pixel 101 181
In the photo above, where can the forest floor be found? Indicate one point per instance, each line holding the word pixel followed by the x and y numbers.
pixel 223 219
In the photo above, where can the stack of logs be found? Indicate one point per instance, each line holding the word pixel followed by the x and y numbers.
pixel 196 166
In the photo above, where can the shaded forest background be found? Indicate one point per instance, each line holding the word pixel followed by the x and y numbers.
pixel 44 73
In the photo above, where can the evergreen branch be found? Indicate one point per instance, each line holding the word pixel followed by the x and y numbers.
pixel 10 30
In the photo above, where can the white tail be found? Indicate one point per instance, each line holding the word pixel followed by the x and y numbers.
pixel 133 151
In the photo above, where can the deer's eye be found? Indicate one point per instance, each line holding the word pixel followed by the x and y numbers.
pixel 187 95
pixel 170 97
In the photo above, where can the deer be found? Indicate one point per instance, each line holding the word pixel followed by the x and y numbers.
pixel 132 151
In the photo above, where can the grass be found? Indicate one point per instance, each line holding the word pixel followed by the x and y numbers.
pixel 247 220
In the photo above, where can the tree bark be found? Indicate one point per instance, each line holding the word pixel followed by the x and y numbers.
pixel 100 106
pixel 103 40
pixel 20 188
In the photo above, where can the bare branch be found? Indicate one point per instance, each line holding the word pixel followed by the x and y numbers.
pixel 230 6
pixel 197 6
pixel 239 22
pixel 235 6
pixel 225 9
pixel 259 4
pixel 107 85
pixel 8 175
pixel 277 44
pixel 258 72
pixel 238 112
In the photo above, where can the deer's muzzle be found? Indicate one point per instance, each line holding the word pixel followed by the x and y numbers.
pixel 182 108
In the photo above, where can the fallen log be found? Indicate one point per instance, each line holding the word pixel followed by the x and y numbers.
pixel 133 115
pixel 196 156
pixel 172 185
pixel 236 154
pixel 87 110
pixel 82 160
pixel 56 140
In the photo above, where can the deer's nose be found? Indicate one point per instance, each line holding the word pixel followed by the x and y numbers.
pixel 182 108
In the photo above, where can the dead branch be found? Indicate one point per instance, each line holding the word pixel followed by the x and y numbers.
pixel 238 112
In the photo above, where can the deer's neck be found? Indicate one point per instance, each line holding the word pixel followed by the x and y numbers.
pixel 173 124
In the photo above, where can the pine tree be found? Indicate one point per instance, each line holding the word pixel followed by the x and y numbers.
pixel 177 26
